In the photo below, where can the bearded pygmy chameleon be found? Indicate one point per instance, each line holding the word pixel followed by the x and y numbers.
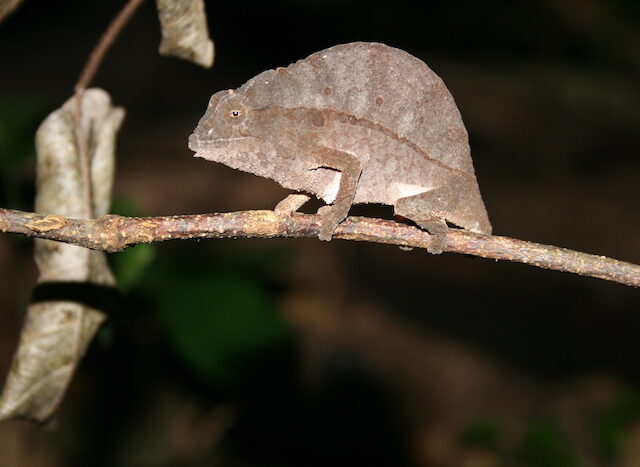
pixel 355 123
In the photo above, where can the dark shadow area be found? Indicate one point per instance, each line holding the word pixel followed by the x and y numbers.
pixel 103 298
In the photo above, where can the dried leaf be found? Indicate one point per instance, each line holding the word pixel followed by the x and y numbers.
pixel 7 7
pixel 53 339
pixel 184 31
pixel 56 333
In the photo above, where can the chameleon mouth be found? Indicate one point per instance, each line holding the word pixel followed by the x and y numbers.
pixel 197 143
pixel 225 148
pixel 194 142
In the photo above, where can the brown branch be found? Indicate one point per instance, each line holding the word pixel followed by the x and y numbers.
pixel 88 72
pixel 115 233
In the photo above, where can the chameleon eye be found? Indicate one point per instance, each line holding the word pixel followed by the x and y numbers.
pixel 232 111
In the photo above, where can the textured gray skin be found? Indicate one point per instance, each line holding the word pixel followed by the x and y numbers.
pixel 355 123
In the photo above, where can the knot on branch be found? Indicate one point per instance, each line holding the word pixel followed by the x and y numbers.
pixel 110 232
pixel 47 223
pixel 115 233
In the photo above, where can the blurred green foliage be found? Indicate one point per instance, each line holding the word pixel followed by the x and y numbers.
pixel 213 307
pixel 483 433
pixel 612 424
pixel 19 119
pixel 545 444
pixel 218 322
pixel 130 265
pixel 18 122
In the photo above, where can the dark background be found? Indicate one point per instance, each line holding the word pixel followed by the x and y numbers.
pixel 296 352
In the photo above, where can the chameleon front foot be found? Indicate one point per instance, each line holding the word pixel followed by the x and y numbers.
pixel 330 217
pixel 438 229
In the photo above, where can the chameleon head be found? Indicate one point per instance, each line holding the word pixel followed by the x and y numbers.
pixel 223 135
pixel 223 122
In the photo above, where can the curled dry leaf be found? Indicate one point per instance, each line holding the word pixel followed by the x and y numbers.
pixel 184 31
pixel 53 339
pixel 6 7
pixel 56 333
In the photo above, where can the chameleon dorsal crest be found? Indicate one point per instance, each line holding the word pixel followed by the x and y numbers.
pixel 354 123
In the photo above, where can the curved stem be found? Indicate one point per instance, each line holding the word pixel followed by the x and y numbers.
pixel 105 42
pixel 88 72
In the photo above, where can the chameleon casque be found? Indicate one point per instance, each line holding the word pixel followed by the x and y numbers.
pixel 355 123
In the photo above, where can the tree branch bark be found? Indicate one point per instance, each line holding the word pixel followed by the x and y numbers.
pixel 113 233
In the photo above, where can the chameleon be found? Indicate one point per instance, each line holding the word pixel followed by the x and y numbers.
pixel 355 123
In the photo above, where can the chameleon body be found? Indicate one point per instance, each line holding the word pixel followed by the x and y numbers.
pixel 355 123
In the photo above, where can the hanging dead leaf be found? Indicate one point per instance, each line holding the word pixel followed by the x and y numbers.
pixel 56 333
pixel 53 339
pixel 184 31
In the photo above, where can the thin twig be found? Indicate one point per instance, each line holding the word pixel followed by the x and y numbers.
pixel 105 42
pixel 83 154
pixel 89 71
pixel 114 233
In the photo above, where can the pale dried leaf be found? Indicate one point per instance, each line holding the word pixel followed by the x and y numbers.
pixel 54 338
pixel 60 184
pixel 7 7
pixel 56 333
pixel 184 31
pixel 59 174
